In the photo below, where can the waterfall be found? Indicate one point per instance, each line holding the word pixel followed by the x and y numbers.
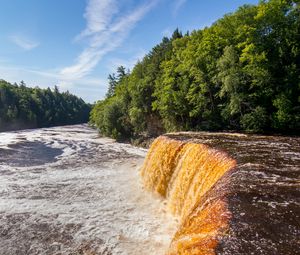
pixel 191 177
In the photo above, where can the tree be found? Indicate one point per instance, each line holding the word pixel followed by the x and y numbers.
pixel 240 73
pixel 112 83
pixel 25 107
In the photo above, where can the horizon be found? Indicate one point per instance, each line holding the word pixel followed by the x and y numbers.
pixel 76 47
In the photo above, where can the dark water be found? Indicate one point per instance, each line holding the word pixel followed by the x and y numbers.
pixel 263 193
pixel 28 153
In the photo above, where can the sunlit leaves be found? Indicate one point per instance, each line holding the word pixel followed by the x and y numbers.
pixel 240 73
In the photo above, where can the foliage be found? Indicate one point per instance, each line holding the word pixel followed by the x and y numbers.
pixel 241 73
pixel 24 107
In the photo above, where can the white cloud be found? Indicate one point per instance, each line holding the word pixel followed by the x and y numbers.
pixel 23 42
pixel 53 74
pixel 98 15
pixel 106 29
pixel 177 5
pixel 105 32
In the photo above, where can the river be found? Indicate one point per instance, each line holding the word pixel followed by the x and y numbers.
pixel 64 190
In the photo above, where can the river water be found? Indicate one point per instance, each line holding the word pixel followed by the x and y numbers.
pixel 263 193
pixel 64 190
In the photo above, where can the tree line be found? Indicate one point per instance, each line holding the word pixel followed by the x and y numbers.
pixel 241 73
pixel 23 107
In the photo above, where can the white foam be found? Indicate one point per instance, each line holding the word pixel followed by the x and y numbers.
pixel 94 185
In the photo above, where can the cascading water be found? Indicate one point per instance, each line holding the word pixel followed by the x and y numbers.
pixel 64 190
pixel 184 173
pixel 245 203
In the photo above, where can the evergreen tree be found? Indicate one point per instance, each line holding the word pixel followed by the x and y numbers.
pixel 23 107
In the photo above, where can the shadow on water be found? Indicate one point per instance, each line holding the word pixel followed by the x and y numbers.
pixel 24 154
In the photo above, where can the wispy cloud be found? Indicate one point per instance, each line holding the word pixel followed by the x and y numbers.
pixel 108 24
pixel 105 31
pixel 98 15
pixel 53 74
pixel 177 5
pixel 23 42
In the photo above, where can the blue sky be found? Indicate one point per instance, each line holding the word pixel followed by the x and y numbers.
pixel 75 44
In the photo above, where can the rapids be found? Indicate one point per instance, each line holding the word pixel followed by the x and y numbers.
pixel 64 190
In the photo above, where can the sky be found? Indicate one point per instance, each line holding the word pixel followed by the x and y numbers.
pixel 76 44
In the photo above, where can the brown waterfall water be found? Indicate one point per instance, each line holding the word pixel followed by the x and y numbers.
pixel 66 191
pixel 242 201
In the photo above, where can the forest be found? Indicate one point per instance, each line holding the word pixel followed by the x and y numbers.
pixel 242 73
pixel 23 107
